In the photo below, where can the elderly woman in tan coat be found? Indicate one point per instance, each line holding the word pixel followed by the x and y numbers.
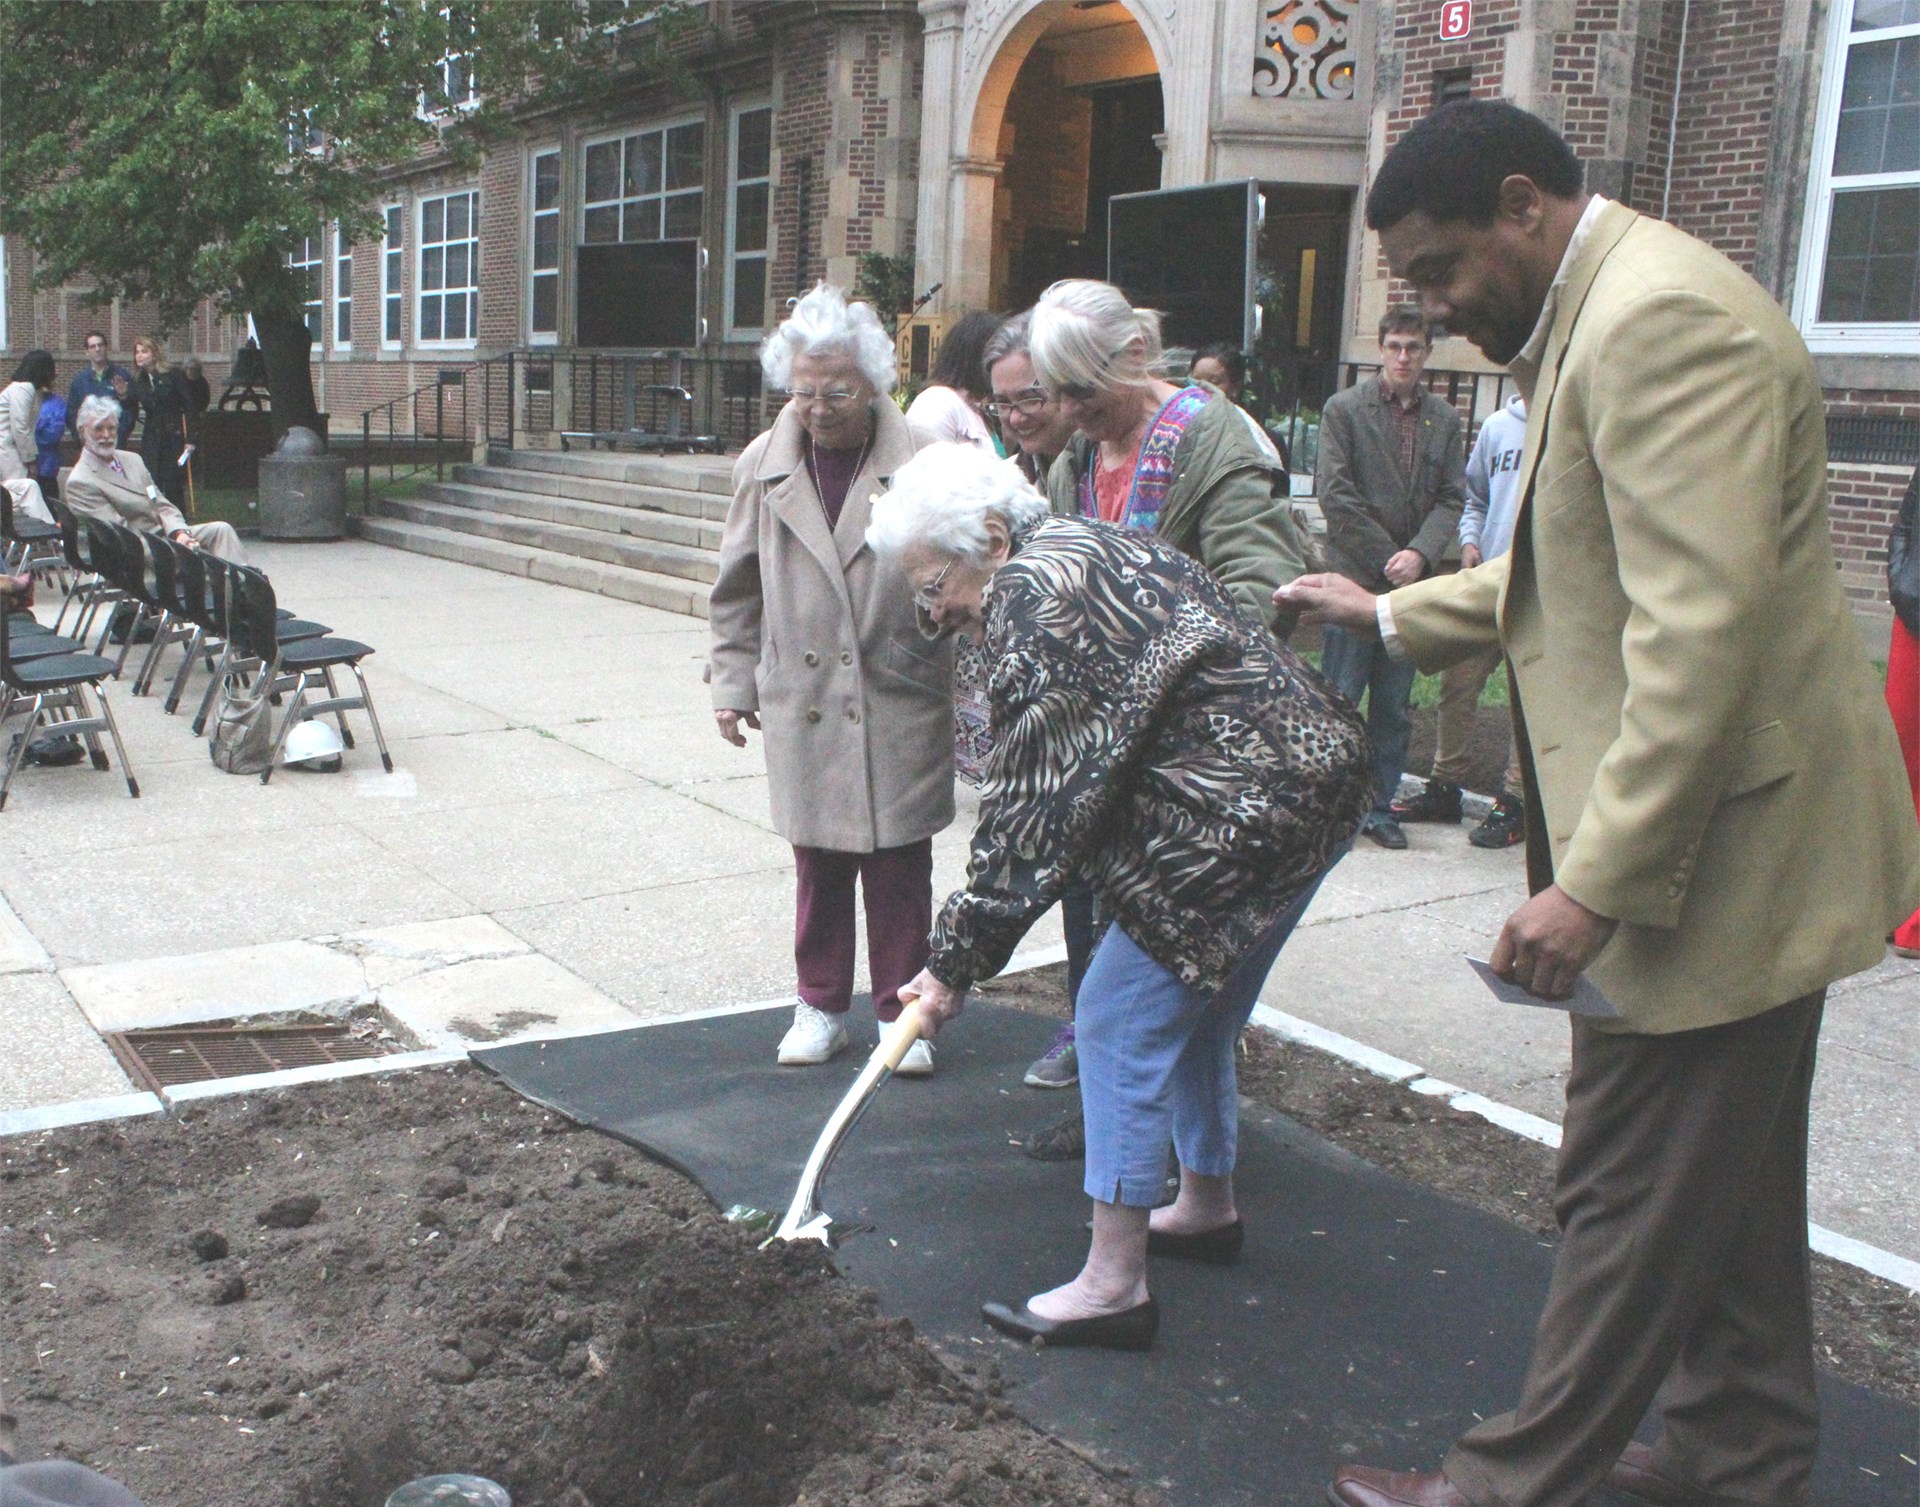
pixel 815 643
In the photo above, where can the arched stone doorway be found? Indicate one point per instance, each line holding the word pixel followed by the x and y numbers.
pixel 1034 112
pixel 1082 121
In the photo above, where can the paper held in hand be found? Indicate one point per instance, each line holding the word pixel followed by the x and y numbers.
pixel 1586 998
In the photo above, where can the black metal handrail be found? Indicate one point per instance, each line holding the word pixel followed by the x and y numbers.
pixel 1289 400
pixel 414 440
pixel 655 400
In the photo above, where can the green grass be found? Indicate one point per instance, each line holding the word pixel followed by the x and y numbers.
pixel 1426 688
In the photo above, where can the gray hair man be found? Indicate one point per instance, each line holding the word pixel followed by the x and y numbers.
pixel 111 485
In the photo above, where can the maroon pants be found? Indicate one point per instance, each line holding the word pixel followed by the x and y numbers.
pixel 897 886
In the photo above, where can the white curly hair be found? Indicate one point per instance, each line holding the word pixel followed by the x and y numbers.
pixel 95 407
pixel 825 322
pixel 941 501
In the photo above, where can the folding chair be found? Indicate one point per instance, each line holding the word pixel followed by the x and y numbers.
pixel 57 683
pixel 253 626
pixel 29 544
pixel 86 587
pixel 165 561
pixel 234 660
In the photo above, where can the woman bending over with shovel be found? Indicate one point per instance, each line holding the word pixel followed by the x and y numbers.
pixel 1155 744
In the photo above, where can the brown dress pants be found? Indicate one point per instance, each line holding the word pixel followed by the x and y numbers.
pixel 1682 1278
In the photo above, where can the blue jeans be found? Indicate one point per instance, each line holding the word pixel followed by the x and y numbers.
pixel 1156 1062
pixel 1353 665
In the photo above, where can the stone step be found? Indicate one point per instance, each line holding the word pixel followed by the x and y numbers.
pixel 648 588
pixel 637 522
pixel 686 502
pixel 692 473
pixel 651 555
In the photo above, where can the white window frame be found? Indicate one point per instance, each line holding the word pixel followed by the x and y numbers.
pixel 534 216
pixel 393 275
pixel 660 128
pixel 733 186
pixel 311 261
pixel 470 99
pixel 342 305
pixel 1842 338
pixel 472 286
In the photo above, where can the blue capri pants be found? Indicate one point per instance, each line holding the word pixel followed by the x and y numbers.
pixel 1156 1062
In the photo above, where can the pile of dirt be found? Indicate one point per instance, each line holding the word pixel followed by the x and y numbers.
pixel 1865 1329
pixel 310 1296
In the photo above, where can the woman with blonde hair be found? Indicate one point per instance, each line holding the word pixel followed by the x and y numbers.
pixel 815 643
pixel 169 426
pixel 1185 463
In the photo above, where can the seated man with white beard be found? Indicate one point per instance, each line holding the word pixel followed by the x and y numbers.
pixel 111 485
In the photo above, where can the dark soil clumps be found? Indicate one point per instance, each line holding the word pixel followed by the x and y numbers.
pixel 435 1275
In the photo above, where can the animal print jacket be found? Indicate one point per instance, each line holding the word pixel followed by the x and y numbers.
pixel 1150 740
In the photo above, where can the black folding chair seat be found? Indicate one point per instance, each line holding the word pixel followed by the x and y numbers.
pixel 321 653
pixel 56 672
pixel 56 684
pixel 42 645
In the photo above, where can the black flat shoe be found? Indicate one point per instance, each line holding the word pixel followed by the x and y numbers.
pixel 1131 1329
pixel 1219 1247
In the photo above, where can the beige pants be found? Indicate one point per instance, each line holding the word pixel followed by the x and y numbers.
pixel 1460 687
pixel 218 539
pixel 28 500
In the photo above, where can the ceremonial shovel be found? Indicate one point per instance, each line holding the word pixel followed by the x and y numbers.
pixel 805 1219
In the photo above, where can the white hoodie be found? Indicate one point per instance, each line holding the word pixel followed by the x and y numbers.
pixel 1493 480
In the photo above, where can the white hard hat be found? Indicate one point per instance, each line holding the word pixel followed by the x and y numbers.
pixel 313 745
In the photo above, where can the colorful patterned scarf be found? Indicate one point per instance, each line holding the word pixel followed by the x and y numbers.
pixel 1153 466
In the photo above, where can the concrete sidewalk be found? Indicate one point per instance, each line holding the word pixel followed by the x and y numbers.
pixel 566 842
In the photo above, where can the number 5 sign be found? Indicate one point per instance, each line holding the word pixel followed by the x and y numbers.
pixel 1456 20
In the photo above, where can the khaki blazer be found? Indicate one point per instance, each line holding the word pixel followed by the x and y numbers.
pixel 95 490
pixel 1709 758
pixel 817 634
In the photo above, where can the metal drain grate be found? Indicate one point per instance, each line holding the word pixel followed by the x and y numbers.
pixel 174 1055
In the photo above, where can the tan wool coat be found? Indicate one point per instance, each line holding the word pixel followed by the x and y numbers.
pixel 817 634
pixel 1710 759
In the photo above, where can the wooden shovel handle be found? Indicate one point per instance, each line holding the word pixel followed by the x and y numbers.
pixel 903 1033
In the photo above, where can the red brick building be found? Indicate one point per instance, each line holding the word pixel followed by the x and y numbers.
pixel 983 138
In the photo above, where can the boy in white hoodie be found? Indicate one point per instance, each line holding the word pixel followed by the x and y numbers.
pixel 1486 532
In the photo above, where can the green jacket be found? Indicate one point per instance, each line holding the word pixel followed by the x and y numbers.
pixel 1227 507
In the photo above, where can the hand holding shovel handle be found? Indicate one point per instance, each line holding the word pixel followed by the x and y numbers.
pixel 804 1219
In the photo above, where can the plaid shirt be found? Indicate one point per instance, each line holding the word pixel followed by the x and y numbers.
pixel 1406 422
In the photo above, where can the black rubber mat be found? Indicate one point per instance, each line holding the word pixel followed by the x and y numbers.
pixel 1369 1321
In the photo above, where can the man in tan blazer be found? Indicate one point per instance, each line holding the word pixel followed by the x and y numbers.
pixel 111 485
pixel 1717 824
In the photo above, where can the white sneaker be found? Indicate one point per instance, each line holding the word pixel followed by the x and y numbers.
pixel 918 1063
pixel 813 1038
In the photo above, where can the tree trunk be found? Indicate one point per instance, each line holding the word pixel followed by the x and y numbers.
pixel 285 342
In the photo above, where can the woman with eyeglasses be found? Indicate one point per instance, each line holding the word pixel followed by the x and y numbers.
pixel 815 643
pixel 1151 742
pixel 1185 463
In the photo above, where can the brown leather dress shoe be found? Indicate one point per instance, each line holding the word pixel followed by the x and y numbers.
pixel 1363 1486
pixel 1633 1474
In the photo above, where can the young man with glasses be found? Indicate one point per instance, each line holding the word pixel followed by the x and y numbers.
pixel 1391 481
pixel 99 378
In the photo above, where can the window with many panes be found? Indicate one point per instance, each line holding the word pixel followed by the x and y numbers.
pixel 543 290
pixel 646 186
pixel 1860 271
pixel 393 285
pixel 448 261
pixel 752 187
pixel 305 261
pixel 454 72
pixel 342 289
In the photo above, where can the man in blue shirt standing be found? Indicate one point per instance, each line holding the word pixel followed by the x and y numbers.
pixel 100 378
pixel 1486 533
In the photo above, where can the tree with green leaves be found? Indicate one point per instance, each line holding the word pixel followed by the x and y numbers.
pixel 178 150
